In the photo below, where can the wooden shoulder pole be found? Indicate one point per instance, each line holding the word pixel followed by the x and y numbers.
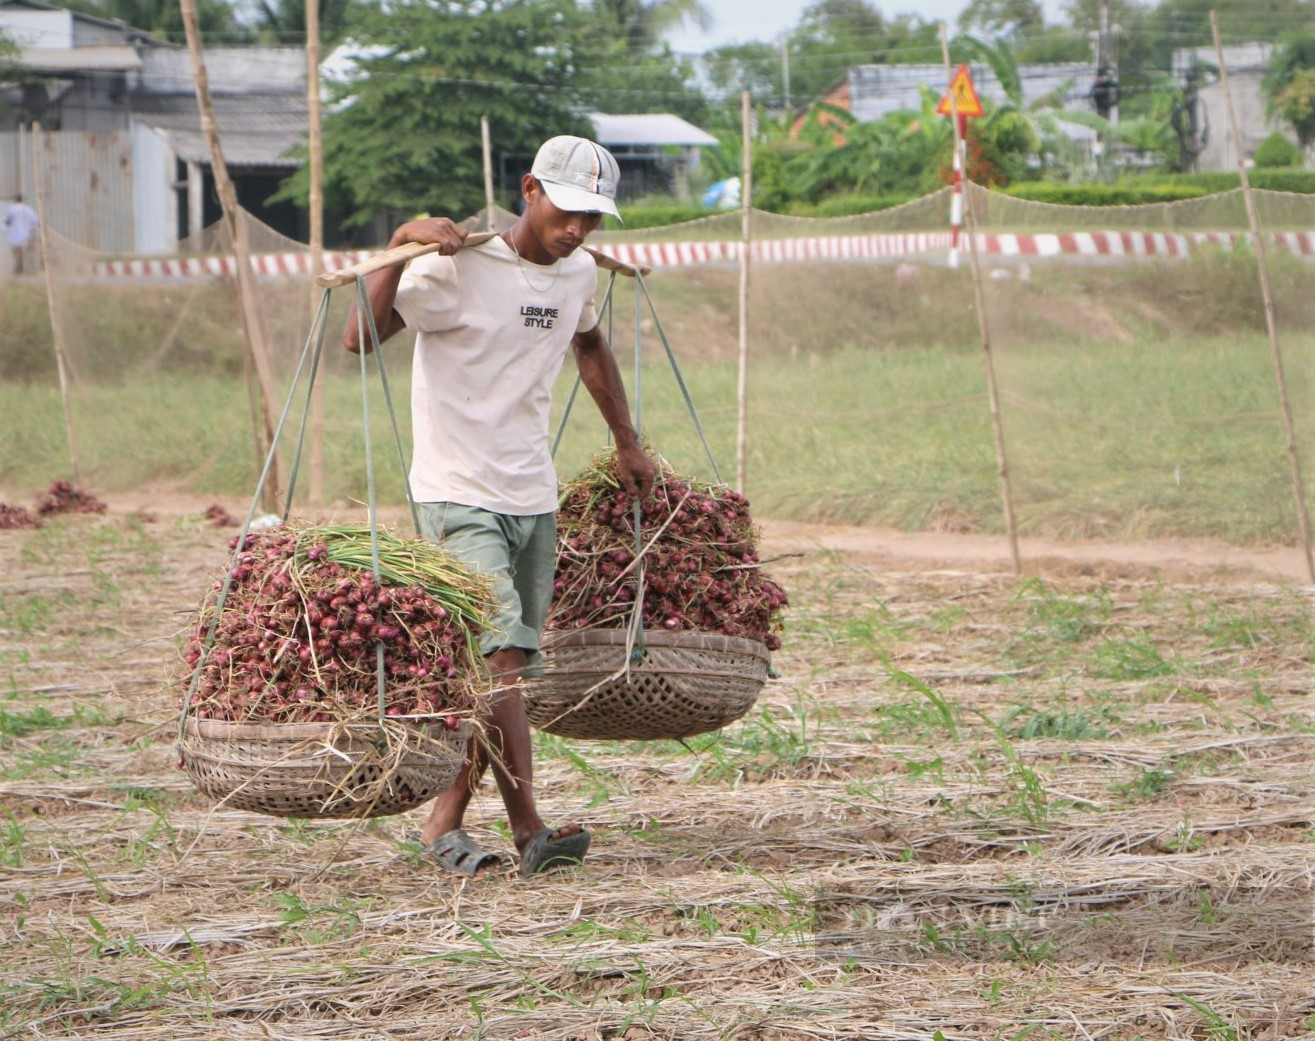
pixel 1271 322
pixel 252 326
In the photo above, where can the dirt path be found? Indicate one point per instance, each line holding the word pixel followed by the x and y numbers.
pixel 1186 560
pixel 1166 559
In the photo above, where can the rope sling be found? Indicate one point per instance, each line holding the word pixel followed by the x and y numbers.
pixel 636 683
pixel 321 770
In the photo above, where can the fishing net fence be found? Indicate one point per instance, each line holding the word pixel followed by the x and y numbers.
pixel 1130 389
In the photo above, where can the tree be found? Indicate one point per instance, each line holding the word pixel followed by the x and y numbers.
pixel 284 21
pixel 1290 85
pixel 640 25
pixel 164 19
pixel 403 131
pixel 1002 17
pixel 834 35
pixel 755 67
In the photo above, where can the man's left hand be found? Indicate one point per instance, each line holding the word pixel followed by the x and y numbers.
pixel 636 470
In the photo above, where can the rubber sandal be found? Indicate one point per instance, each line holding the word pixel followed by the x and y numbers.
pixel 544 852
pixel 458 852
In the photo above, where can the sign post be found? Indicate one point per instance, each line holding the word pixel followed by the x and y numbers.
pixel 960 103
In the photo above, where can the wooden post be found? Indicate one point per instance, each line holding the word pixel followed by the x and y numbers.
pixel 488 172
pixel 48 270
pixel 315 484
pixel 992 392
pixel 746 236
pixel 1271 322
pixel 252 326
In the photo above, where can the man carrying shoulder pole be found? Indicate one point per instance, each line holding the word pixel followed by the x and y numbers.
pixel 493 323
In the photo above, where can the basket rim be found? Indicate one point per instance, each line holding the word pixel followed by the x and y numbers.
pixel 220 729
pixel 655 638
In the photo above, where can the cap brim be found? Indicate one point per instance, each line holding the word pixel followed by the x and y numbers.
pixel 577 200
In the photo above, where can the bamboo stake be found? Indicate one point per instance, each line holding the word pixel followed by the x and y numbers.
pixel 488 172
pixel 742 392
pixel 233 217
pixel 1267 294
pixel 992 392
pixel 48 270
pixel 315 482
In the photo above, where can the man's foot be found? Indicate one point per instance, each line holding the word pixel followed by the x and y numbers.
pixel 554 847
pixel 457 852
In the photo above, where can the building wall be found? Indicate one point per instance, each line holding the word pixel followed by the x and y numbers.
pixel 92 34
pixel 153 191
pixel 88 183
pixel 96 101
pixel 29 28
pixel 16 166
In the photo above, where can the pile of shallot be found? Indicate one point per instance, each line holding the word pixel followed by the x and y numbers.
pixel 299 633
pixel 60 497
pixel 64 497
pixel 701 570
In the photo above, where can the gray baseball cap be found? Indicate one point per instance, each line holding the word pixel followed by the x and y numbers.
pixel 578 175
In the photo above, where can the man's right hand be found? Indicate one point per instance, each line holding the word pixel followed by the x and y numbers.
pixel 442 232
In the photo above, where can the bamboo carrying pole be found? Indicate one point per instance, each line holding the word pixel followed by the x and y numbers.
pixel 746 231
pixel 252 326
pixel 488 172
pixel 48 271
pixel 315 481
pixel 410 250
pixel 992 392
pixel 1267 294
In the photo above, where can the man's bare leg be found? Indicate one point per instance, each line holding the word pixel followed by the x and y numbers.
pixel 508 733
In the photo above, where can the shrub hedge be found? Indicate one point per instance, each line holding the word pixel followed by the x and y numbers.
pixel 1121 193
pixel 1131 191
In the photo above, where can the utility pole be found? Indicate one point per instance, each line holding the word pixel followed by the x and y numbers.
pixel 785 72
pixel 1105 92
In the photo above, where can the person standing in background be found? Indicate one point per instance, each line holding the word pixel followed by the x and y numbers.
pixel 21 220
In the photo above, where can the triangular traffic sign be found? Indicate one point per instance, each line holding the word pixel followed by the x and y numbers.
pixel 966 101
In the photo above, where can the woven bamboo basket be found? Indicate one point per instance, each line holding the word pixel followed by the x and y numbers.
pixel 323 770
pixel 685 683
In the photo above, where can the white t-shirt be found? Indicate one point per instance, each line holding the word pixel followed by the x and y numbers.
pixel 22 221
pixel 492 331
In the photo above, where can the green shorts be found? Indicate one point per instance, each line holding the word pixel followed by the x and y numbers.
pixel 518 554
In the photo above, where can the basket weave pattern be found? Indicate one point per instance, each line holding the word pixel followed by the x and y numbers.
pixel 686 683
pixel 322 770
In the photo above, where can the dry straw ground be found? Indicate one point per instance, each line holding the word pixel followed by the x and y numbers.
pixel 1076 805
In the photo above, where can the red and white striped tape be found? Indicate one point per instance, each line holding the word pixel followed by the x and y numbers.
pixel 767 251
pixel 266 265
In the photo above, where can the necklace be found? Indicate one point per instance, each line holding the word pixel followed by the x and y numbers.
pixel 524 266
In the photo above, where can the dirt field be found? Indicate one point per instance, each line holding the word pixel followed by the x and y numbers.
pixel 1077 804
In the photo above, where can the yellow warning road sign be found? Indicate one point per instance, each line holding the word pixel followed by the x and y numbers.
pixel 966 101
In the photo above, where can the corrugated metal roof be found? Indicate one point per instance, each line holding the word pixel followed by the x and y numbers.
pixel 647 130
pixel 101 58
pixel 228 70
pixel 254 130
